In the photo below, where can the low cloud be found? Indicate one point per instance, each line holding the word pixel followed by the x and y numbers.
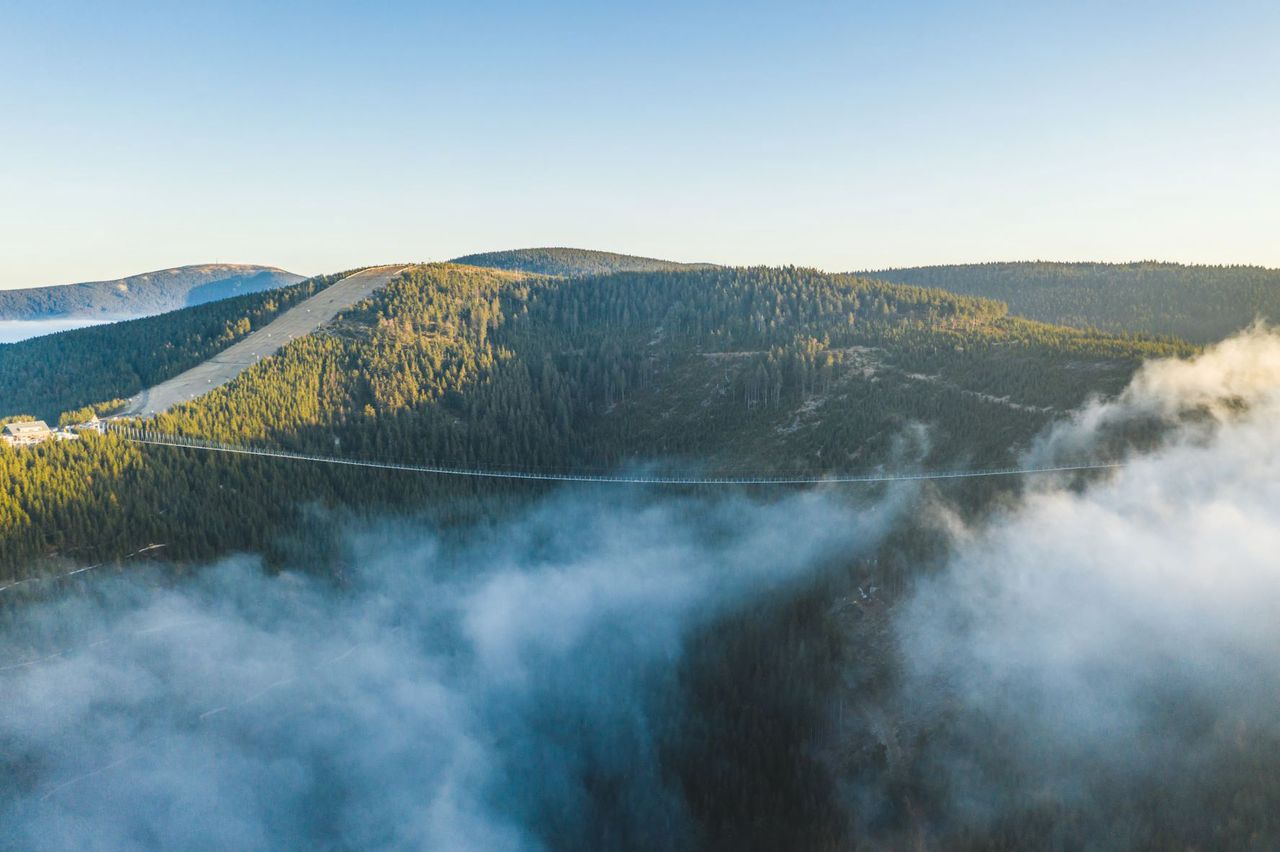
pixel 503 693
pixel 1119 631
pixel 513 688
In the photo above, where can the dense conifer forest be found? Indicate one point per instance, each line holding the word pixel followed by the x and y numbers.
pixel 766 370
pixel 1197 303
pixel 49 375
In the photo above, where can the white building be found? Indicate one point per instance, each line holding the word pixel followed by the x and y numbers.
pixel 93 424
pixel 26 433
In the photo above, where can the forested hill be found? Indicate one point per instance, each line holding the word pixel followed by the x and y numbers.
pixel 1197 303
pixel 764 370
pixel 142 295
pixel 55 373
pixel 571 261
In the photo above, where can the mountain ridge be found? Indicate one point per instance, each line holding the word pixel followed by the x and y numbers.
pixel 1200 303
pixel 142 294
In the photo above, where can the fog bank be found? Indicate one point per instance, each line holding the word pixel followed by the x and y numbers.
pixel 1125 631
pixel 506 693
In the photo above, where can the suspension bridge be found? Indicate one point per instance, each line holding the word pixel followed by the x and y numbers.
pixel 146 437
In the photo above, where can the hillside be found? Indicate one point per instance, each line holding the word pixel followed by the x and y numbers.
pixel 49 375
pixel 571 261
pixel 142 295
pixel 726 370
pixel 1197 303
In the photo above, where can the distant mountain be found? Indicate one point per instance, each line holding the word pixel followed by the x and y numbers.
pixel 573 262
pixel 142 295
pixel 1197 303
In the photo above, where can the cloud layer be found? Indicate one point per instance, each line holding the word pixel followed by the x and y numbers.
pixel 1122 629
pixel 500 694
pixel 514 688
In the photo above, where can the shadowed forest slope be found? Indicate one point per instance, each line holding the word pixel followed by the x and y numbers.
pixel 1197 303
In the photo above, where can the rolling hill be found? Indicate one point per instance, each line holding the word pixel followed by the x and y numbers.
pixel 1197 303
pixel 142 295
pixel 48 375
pixel 784 371
pixel 572 261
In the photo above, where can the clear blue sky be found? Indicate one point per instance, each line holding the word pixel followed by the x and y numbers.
pixel 317 136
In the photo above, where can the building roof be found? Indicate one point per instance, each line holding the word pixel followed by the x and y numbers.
pixel 30 427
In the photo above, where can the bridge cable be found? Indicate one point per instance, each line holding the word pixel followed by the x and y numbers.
pixel 153 439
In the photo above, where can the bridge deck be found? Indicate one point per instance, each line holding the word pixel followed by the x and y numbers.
pixel 142 436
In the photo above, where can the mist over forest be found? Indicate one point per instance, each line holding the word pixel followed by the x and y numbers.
pixel 411 703
pixel 870 667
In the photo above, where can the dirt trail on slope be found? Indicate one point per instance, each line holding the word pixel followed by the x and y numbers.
pixel 298 321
